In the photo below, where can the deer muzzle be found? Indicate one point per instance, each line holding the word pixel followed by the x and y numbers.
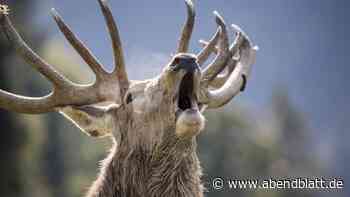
pixel 189 120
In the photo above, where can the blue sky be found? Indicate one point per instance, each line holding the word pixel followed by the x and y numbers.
pixel 303 47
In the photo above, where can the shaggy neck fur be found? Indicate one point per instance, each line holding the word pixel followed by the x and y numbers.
pixel 170 169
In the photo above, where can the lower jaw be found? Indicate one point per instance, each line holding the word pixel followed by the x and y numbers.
pixel 189 123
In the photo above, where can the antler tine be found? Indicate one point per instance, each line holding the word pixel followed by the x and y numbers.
pixel 204 44
pixel 119 70
pixel 83 51
pixel 233 48
pixel 187 29
pixel 22 104
pixel 30 56
pixel 241 38
pixel 210 46
pixel 221 59
pixel 219 80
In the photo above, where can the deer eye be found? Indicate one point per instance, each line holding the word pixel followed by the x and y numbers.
pixel 128 98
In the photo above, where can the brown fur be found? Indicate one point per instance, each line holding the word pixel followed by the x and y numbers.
pixel 162 171
pixel 148 159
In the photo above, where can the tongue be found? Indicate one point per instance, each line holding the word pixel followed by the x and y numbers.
pixel 184 102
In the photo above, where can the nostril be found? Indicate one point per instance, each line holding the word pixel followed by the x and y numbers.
pixel 175 62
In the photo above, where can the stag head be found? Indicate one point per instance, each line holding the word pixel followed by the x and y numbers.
pixel 165 111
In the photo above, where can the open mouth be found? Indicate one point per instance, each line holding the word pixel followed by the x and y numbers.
pixel 187 98
pixel 189 120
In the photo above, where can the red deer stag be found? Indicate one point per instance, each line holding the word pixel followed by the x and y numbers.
pixel 153 123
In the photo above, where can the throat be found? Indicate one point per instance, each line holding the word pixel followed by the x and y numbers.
pixel 140 172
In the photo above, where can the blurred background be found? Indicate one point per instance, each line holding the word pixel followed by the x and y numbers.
pixel 292 121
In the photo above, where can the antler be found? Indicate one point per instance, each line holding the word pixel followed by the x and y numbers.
pixel 237 59
pixel 187 29
pixel 65 92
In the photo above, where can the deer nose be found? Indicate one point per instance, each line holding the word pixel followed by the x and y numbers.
pixel 189 65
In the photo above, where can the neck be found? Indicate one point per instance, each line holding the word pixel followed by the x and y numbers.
pixel 168 169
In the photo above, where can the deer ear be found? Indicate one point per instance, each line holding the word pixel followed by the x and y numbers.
pixel 95 121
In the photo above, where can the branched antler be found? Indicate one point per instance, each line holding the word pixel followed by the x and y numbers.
pixel 218 89
pixel 65 92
